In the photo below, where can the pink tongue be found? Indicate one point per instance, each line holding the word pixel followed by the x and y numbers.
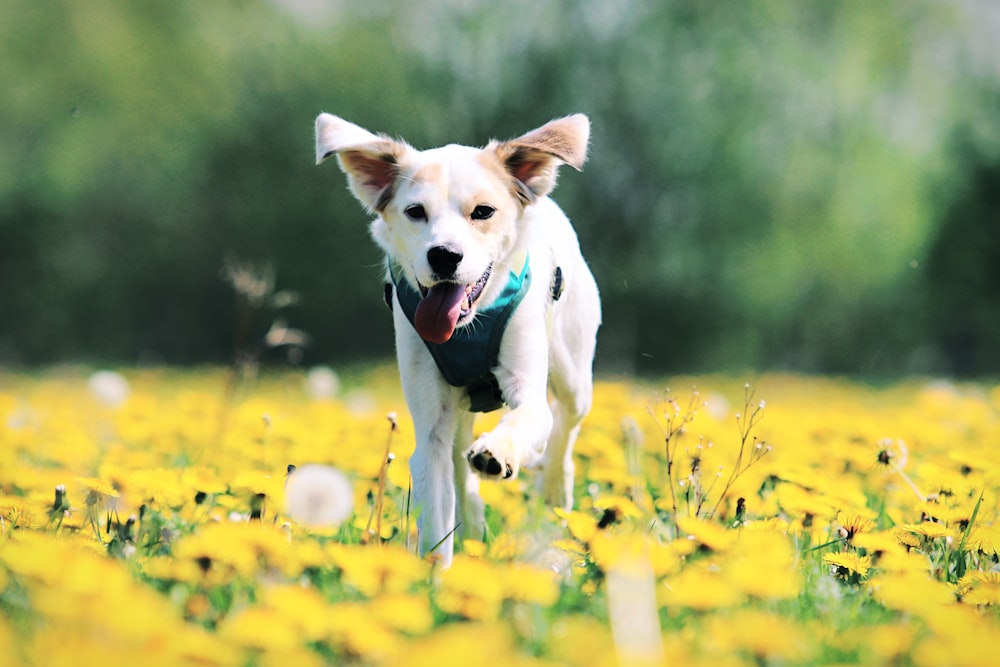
pixel 437 313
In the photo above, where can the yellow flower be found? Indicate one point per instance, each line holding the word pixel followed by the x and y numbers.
pixel 697 588
pixel 582 526
pixel 709 535
pixel 980 588
pixel 879 542
pixel 261 628
pixel 615 508
pixel 930 529
pixel 462 644
pixel 985 539
pixel 581 640
pixel 303 607
pixel 762 564
pixel 524 583
pixel 766 636
pixel 379 569
pixel 849 563
pixel 403 612
pixel 98 486
pixel 851 524
pixel 636 550
pixel 471 588
pixel 228 548
pixel 356 630
pixel 911 592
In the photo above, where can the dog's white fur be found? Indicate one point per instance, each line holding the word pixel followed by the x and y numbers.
pixel 548 346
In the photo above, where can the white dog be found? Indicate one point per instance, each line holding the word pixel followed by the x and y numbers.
pixel 493 305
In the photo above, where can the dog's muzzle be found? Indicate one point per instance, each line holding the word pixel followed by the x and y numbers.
pixel 445 306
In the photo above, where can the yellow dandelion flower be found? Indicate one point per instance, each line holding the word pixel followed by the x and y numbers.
pixel 880 644
pixel 298 657
pixel 849 563
pixel 459 644
pixel 571 547
pixel 709 535
pixel 256 482
pixel 581 640
pixel 763 566
pixel 471 588
pixel 766 636
pixel 509 545
pixel 166 568
pixel 204 479
pixel 696 588
pixel 524 583
pixel 980 588
pixel 850 524
pixel 911 592
pixel 378 569
pixel 800 502
pixel 985 539
pixel 615 508
pixel 610 551
pixel 100 487
pixel 906 538
pixel 930 530
pixel 301 606
pixel 879 542
pixel 903 561
pixel 475 548
pixel 582 526
pixel 403 612
pixel 261 628
pixel 360 634
pixel 236 547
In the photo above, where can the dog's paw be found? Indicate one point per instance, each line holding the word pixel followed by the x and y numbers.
pixel 492 459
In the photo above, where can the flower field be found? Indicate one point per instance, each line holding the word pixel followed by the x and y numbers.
pixel 158 518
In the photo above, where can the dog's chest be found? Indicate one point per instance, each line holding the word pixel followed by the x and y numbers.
pixel 467 360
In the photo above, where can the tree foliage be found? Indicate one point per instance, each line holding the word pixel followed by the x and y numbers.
pixel 771 184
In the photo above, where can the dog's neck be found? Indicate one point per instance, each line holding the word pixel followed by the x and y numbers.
pixel 469 357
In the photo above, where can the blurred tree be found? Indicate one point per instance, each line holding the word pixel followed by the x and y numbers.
pixel 764 176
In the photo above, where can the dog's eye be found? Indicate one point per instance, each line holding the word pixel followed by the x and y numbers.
pixel 416 212
pixel 483 212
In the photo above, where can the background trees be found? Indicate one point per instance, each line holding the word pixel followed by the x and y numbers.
pixel 771 184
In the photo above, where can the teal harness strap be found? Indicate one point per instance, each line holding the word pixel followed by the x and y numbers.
pixel 469 357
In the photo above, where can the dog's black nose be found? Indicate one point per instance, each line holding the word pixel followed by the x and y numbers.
pixel 443 260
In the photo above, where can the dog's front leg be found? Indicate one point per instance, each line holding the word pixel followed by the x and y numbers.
pixel 521 435
pixel 433 405
pixel 432 470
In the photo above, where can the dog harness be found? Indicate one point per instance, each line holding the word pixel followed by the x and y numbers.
pixel 468 358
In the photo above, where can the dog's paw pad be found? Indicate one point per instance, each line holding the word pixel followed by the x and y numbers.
pixel 489 465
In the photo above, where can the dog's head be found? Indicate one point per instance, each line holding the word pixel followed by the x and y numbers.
pixel 451 217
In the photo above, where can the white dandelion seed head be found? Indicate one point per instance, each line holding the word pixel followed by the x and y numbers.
pixel 319 496
pixel 322 382
pixel 109 387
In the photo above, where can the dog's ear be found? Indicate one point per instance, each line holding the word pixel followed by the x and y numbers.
pixel 533 159
pixel 371 161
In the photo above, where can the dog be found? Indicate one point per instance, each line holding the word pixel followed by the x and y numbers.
pixel 492 304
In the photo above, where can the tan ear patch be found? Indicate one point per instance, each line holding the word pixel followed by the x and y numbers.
pixel 533 159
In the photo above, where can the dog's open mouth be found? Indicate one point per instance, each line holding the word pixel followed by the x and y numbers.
pixel 445 306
